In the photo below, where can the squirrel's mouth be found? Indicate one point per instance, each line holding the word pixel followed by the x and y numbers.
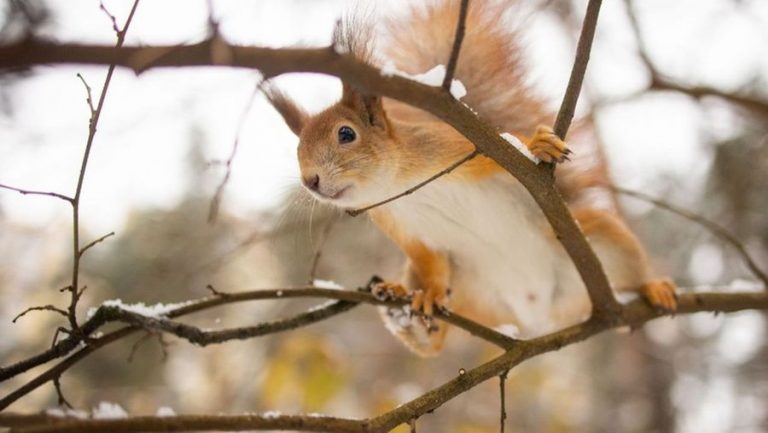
pixel 335 195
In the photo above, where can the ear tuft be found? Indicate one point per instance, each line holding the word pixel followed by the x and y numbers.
pixel 295 117
pixel 369 108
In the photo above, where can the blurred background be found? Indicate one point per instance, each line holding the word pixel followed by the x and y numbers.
pixel 157 162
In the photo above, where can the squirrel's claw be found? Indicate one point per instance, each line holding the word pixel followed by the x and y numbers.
pixel 423 302
pixel 385 290
pixel 661 294
pixel 547 146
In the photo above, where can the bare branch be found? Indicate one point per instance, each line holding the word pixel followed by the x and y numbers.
pixel 213 211
pixel 105 315
pixel 94 242
pixel 182 423
pixel 590 269
pixel 583 48
pixel 110 16
pixel 88 95
pixel 31 192
pixel 635 314
pixel 411 190
pixel 457 40
pixel 41 308
pixel 713 227
pixel 60 394
pixel 661 83
pixel 319 249
pixel 93 123
pixel 502 400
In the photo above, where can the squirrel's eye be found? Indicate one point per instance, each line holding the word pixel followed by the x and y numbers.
pixel 346 135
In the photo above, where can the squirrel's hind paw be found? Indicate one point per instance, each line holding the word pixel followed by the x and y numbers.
pixel 661 294
pixel 547 146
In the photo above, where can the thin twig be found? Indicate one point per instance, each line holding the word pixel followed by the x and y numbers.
pixel 110 16
pixel 319 249
pixel 213 210
pixel 93 123
pixel 31 192
pixel 457 40
pixel 62 400
pixel 583 48
pixel 503 400
pixel 713 227
pixel 94 242
pixel 660 82
pixel 411 190
pixel 39 308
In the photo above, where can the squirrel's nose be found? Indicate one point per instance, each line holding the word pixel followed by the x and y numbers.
pixel 312 182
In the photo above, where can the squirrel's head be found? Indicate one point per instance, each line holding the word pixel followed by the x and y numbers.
pixel 347 153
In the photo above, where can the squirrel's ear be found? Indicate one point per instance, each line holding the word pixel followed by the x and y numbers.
pixel 369 108
pixel 295 117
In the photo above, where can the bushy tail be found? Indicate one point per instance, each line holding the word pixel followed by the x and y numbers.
pixel 492 68
pixel 490 62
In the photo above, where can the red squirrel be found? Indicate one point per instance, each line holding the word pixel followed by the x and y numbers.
pixel 474 240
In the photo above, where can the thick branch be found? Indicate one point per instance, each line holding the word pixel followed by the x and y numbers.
pixel 272 62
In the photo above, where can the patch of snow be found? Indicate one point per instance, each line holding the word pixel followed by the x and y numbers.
pixel 339 48
pixel 326 284
pixel 272 414
pixel 433 77
pixel 165 411
pixel 321 306
pixel 156 311
pixel 66 413
pixel 508 329
pixel 389 69
pixel 517 144
pixel 107 410
pixel 742 285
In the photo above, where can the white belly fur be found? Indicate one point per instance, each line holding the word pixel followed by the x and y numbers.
pixel 502 258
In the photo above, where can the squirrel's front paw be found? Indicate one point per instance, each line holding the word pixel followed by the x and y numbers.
pixel 661 294
pixel 423 302
pixel 547 146
pixel 386 290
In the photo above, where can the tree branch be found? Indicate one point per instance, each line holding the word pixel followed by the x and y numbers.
pixel 713 227
pixel 272 62
pixel 31 192
pixel 453 60
pixel 635 314
pixel 661 83
pixel 105 314
pixel 77 253
pixel 411 190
